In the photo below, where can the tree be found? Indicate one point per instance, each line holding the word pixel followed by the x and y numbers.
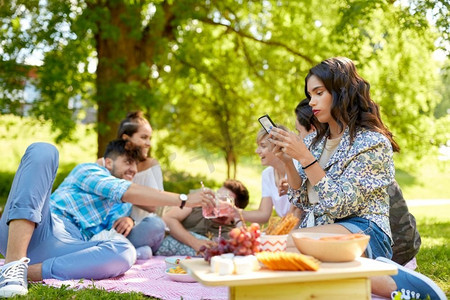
pixel 205 70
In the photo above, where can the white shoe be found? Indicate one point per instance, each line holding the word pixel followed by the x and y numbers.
pixel 13 278
pixel 144 252
pixel 413 285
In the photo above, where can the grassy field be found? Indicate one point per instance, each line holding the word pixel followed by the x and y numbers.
pixel 433 259
pixel 431 183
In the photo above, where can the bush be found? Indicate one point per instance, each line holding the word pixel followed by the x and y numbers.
pixel 181 182
pixel 6 179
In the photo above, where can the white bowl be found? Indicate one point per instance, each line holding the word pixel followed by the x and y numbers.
pixel 330 250
pixel 173 261
pixel 179 277
pixel 272 243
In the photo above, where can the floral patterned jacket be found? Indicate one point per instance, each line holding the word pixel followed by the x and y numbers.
pixel 356 180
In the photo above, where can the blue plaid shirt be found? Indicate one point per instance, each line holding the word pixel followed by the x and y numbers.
pixel 87 195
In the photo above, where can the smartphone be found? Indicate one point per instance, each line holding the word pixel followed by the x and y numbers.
pixel 266 123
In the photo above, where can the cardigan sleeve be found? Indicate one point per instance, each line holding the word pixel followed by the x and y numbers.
pixel 355 183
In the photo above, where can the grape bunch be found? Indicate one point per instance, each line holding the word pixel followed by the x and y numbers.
pixel 222 246
pixel 243 241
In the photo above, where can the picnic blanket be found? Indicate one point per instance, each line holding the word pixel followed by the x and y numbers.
pixel 148 277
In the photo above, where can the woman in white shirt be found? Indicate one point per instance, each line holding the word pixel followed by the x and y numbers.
pixel 271 178
pixel 140 224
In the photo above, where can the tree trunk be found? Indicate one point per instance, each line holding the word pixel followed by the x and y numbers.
pixel 231 160
pixel 118 59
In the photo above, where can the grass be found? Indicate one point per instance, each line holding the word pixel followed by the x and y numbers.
pixel 432 182
pixel 433 259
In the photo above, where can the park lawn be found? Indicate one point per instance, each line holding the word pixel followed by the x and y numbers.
pixel 433 259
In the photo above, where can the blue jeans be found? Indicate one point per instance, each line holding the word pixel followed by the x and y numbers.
pixel 379 243
pixel 56 242
pixel 149 232
pixel 171 246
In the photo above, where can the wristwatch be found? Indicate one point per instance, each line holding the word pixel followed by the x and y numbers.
pixel 183 198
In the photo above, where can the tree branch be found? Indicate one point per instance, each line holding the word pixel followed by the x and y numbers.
pixel 270 43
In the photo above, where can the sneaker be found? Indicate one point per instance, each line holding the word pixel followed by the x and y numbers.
pixel 13 278
pixel 413 285
pixel 144 252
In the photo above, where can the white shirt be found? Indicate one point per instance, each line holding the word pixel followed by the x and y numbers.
pixel 270 189
pixel 152 177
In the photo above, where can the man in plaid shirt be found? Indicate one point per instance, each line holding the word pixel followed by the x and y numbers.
pixel 56 240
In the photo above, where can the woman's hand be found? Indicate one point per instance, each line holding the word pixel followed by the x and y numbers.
pixel 124 225
pixel 288 145
pixel 203 197
pixel 283 187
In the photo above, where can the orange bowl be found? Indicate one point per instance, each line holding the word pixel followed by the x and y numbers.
pixel 327 247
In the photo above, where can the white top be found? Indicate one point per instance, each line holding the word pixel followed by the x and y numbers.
pixel 152 177
pixel 270 189
pixel 330 147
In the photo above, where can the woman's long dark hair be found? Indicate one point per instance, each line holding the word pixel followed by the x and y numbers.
pixel 352 105
pixel 304 114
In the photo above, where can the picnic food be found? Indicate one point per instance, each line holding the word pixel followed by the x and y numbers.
pixel 345 237
pixel 227 264
pixel 243 241
pixel 284 225
pixel 288 261
pixel 177 270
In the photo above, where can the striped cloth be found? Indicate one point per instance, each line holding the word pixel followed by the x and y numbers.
pixel 148 277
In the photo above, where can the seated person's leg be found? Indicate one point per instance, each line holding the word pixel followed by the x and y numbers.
pixel 26 208
pixel 149 232
pixel 94 260
pixel 171 246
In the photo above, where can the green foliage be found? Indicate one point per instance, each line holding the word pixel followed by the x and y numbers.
pixel 6 179
pixel 205 70
pixel 182 182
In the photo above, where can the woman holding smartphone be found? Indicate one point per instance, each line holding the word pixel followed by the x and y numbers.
pixel 346 167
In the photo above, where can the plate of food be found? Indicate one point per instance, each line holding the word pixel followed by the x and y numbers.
pixel 179 274
pixel 329 247
pixel 173 261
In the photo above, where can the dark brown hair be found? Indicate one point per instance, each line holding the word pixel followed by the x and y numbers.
pixel 304 114
pixel 352 105
pixel 241 192
pixel 131 123
pixel 121 147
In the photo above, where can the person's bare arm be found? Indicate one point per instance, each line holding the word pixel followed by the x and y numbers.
pixel 147 196
pixel 173 219
pixel 262 214
pixel 124 225
pixel 150 208
pixel 293 178
pixel 292 145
